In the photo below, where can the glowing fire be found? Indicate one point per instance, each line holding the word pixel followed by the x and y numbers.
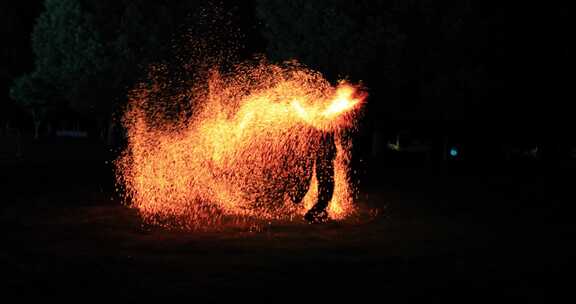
pixel 249 145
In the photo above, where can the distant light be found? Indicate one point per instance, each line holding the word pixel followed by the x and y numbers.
pixel 453 151
pixel 393 147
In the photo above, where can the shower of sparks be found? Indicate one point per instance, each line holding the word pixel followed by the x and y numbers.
pixel 249 144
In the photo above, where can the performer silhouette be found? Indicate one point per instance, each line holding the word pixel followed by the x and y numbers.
pixel 324 160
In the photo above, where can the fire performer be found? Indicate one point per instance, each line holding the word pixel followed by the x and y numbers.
pixel 324 164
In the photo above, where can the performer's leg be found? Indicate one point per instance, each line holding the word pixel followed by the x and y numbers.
pixel 325 177
pixel 300 184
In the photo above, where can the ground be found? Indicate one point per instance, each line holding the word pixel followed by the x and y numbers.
pixel 424 230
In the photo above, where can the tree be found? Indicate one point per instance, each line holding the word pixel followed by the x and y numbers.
pixel 68 54
pixel 88 53
pixel 334 36
pixel 34 95
pixel 16 19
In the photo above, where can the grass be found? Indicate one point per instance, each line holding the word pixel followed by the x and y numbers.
pixel 434 233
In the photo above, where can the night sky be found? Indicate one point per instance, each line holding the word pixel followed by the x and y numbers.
pixel 529 42
pixel 494 69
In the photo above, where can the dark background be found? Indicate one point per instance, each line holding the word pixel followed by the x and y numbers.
pixel 492 81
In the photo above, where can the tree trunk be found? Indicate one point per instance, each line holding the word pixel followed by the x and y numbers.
pixel 48 129
pixel 102 129
pixel 110 134
pixel 37 120
pixel 37 123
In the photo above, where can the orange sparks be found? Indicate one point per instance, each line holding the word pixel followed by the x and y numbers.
pixel 249 145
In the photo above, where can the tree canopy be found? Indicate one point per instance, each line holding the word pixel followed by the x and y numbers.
pixel 393 46
pixel 88 53
pixel 334 36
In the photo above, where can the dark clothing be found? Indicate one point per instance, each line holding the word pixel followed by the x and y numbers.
pixel 325 171
pixel 324 161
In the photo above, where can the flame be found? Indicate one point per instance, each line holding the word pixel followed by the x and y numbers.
pixel 246 150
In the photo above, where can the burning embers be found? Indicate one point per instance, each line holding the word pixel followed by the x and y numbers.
pixel 254 147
